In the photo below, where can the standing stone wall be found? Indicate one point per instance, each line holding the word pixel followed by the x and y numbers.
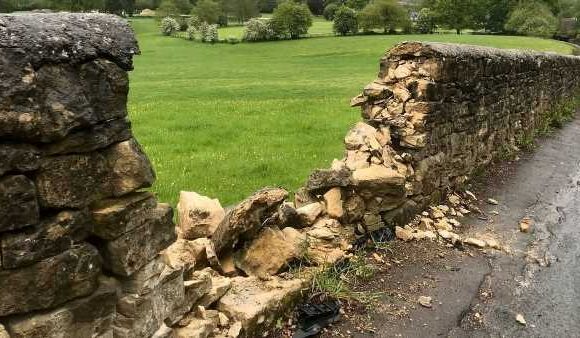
pixel 77 235
pixel 436 114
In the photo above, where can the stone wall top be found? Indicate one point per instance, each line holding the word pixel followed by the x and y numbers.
pixel 68 37
pixel 411 49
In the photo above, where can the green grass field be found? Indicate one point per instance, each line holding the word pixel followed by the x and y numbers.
pixel 224 120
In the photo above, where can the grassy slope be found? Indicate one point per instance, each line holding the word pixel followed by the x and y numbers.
pixel 224 120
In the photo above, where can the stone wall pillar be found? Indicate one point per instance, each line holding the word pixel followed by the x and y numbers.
pixel 79 239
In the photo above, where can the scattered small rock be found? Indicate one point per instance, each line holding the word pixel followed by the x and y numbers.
pixel 403 234
pixel 492 201
pixel 475 242
pixel 526 224
pixel 520 319
pixel 425 301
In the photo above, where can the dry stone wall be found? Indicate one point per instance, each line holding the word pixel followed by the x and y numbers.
pixel 86 252
pixel 437 113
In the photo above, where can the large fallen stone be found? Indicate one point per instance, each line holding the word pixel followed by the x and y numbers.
pixel 114 217
pixel 271 252
pixel 199 216
pixel 93 138
pixel 129 168
pixel 140 316
pixel 245 219
pixel 50 282
pixel 75 181
pixel 128 253
pixel 19 206
pixel 18 158
pixel 379 180
pixel 196 328
pixel 51 237
pixel 91 316
pixel 254 302
pixel 324 179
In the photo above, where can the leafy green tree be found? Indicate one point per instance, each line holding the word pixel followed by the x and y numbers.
pixel 532 18
pixel 243 10
pixel 383 14
pixel 345 21
pixel 207 10
pixel 425 23
pixel 455 14
pixel 172 8
pixel 356 4
pixel 329 11
pixel 291 19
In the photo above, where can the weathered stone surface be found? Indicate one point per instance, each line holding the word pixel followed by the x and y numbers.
pixel 19 203
pixel 67 37
pixel 134 249
pixel 140 316
pixel 72 181
pixel 219 286
pixel 245 219
pixel 146 279
pixel 310 212
pixel 333 201
pixel 378 180
pixel 18 158
pixel 54 100
pixel 114 217
pixel 197 328
pixel 3 332
pixel 51 237
pixel 75 181
pixel 271 251
pixel 93 138
pixel 50 282
pixel 197 285
pixel 361 135
pixel 199 216
pixel 254 302
pixel 184 253
pixel 91 316
pixel 129 168
pixel 324 179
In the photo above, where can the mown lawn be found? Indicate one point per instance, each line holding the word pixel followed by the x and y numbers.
pixel 225 120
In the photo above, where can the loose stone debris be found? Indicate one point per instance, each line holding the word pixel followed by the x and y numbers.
pixel 526 224
pixel 425 301
pixel 520 319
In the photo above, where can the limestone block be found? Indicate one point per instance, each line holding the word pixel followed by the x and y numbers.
pixel 52 236
pixel 18 158
pixel 324 179
pixel 271 252
pixel 19 203
pixel 245 219
pixel 93 138
pixel 129 168
pixel 199 216
pixel 75 181
pixel 219 286
pixel 114 217
pixel 378 180
pixel 140 316
pixel 146 279
pixel 50 282
pixel 333 202
pixel 254 302
pixel 90 316
pixel 128 253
